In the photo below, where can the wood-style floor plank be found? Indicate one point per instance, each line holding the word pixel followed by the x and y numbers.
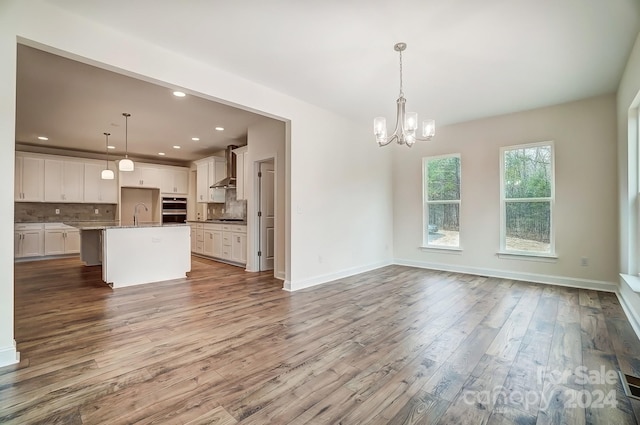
pixel 397 345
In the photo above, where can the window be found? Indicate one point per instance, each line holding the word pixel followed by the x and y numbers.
pixel 441 177
pixel 527 197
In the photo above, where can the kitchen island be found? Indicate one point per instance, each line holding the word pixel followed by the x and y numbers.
pixel 134 255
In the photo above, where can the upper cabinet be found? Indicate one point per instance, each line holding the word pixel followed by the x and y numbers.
pixel 55 178
pixel 209 171
pixel 29 179
pixel 217 172
pixel 242 171
pixel 145 175
pixel 63 180
pixel 202 181
pixel 97 190
pixel 175 181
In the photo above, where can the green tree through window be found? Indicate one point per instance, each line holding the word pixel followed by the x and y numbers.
pixel 442 201
pixel 527 181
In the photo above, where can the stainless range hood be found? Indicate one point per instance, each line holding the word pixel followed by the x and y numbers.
pixel 228 182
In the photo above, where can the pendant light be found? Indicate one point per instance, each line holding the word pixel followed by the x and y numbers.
pixel 107 174
pixel 126 164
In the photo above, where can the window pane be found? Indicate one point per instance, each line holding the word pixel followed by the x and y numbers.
pixel 443 179
pixel 527 172
pixel 444 225
pixel 528 226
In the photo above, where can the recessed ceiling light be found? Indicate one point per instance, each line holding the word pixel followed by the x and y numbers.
pixel 179 94
pixel 195 139
pixel 176 147
pixel 43 138
pixel 111 147
pixel 219 128
pixel 161 153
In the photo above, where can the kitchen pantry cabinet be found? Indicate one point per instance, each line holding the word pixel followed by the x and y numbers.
pixel 174 181
pixel 29 179
pixel 28 240
pixel 61 239
pixel 242 171
pixel 63 180
pixel 97 190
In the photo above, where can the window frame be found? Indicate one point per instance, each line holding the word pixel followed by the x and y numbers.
pixel 551 199
pixel 426 202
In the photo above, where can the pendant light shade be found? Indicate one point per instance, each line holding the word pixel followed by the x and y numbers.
pixel 107 174
pixel 126 164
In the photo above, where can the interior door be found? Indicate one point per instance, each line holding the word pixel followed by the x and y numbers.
pixel 266 179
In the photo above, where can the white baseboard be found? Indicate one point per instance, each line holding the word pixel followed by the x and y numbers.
pixel 9 355
pixel 280 275
pixel 318 280
pixel 597 285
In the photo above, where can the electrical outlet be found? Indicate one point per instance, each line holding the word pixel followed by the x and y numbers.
pixel 57 210
pixel 584 261
pixel 96 211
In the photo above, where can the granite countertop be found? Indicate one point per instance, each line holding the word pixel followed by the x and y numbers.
pixel 101 225
pixel 220 221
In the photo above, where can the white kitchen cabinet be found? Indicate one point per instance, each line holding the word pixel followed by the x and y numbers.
pixel 28 240
pixel 61 239
pixel 143 175
pixel 239 247
pixel 242 171
pixel 174 181
pixel 202 181
pixel 63 180
pixel 234 243
pixel 208 242
pixel 217 172
pixel 29 179
pixel 199 232
pixel 97 190
pixel 209 171
pixel 193 237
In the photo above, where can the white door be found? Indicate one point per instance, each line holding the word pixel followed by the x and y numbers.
pixel 266 214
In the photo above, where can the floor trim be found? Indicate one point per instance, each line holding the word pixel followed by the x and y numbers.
pixel 318 280
pixel 571 282
pixel 9 355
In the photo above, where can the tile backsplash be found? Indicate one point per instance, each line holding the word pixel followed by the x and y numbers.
pixel 232 208
pixel 45 212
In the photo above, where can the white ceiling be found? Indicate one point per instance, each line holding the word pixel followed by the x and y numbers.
pixel 466 59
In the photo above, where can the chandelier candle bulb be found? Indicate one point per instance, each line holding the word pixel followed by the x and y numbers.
pixel 406 122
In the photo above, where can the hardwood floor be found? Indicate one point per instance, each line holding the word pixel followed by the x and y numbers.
pixel 394 346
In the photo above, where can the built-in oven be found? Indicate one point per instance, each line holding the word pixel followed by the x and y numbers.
pixel 174 210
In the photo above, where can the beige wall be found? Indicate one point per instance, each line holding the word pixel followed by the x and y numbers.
pixel 585 212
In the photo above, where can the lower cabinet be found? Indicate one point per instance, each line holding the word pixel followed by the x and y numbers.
pixel 28 240
pixel 61 239
pixel 40 239
pixel 220 241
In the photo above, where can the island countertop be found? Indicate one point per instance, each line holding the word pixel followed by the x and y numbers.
pixel 101 225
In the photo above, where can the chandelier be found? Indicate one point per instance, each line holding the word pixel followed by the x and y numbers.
pixel 406 122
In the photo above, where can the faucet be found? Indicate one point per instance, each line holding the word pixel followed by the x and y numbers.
pixel 135 212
